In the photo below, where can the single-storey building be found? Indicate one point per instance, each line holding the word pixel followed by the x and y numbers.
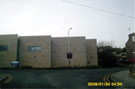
pixel 48 52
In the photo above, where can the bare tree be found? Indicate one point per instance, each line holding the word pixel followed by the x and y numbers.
pixel 106 43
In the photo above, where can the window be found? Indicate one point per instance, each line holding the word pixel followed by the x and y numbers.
pixel 3 48
pixel 133 38
pixel 34 48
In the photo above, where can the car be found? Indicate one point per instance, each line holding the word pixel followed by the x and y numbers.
pixel 132 65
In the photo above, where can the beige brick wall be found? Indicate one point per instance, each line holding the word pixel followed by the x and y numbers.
pixel 6 57
pixel 60 49
pixel 91 52
pixel 35 59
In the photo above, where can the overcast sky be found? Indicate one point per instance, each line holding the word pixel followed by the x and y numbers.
pixel 55 17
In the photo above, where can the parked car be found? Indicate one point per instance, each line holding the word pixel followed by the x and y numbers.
pixel 132 65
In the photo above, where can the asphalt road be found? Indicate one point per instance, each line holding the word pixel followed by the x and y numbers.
pixel 56 79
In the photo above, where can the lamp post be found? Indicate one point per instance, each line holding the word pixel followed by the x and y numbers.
pixel 69 50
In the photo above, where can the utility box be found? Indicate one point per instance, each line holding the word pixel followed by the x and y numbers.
pixel 8 50
pixel 15 64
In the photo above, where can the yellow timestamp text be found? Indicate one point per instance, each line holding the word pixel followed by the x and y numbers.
pixel 105 83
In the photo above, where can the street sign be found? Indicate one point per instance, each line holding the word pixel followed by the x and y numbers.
pixel 69 55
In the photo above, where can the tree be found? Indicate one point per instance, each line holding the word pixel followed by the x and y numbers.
pixel 106 43
pixel 105 54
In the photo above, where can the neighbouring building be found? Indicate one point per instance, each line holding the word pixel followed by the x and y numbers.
pixel 130 46
pixel 8 50
pixel 48 52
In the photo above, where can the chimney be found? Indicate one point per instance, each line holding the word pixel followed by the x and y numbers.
pixel 132 36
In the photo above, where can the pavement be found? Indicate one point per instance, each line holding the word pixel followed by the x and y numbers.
pixel 3 77
pixel 125 77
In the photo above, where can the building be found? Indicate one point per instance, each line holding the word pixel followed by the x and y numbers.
pixel 35 51
pixel 60 50
pixel 50 52
pixel 8 50
pixel 91 52
pixel 130 46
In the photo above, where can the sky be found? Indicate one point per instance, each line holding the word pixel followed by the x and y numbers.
pixel 94 19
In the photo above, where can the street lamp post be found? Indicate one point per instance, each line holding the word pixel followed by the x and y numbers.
pixel 69 50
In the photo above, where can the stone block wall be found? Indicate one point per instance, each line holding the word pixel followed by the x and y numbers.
pixel 40 59
pixel 91 52
pixel 10 54
pixel 60 50
pixel 52 52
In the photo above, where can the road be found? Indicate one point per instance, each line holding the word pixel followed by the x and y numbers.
pixel 57 79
